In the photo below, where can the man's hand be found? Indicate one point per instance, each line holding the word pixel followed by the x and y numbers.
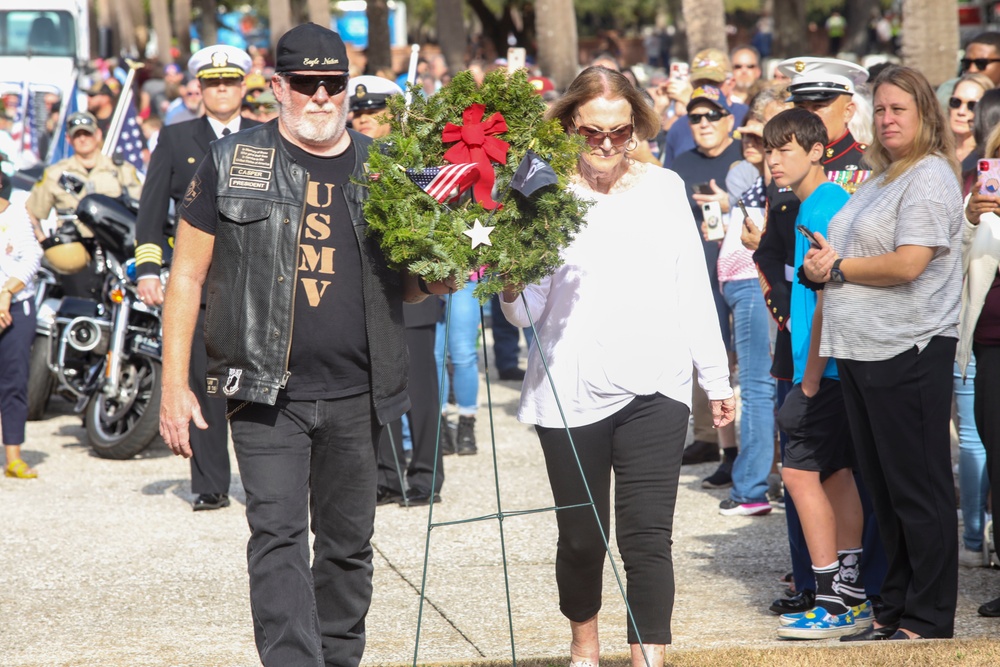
pixel 178 408
pixel 810 387
pixel 718 194
pixel 150 290
pixel 679 90
pixel 723 412
pixel 750 236
pixel 819 261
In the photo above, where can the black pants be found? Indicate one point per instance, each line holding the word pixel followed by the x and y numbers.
pixel 303 459
pixel 899 410
pixel 15 354
pixel 643 443
pixel 987 409
pixel 423 416
pixel 210 448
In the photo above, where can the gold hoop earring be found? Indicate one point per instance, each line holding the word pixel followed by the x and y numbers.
pixel 633 146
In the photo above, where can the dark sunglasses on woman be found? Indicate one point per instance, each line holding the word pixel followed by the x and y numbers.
pixel 307 84
pixel 956 103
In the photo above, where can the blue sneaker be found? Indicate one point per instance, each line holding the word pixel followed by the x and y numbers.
pixel 864 615
pixel 818 623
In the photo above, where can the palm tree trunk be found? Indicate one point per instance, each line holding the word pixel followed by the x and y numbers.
pixel 126 26
pixel 379 53
pixel 558 57
pixel 706 25
pixel 161 26
pixel 182 28
pixel 281 20
pixel 930 38
pixel 791 36
pixel 451 33
pixel 319 12
pixel 209 23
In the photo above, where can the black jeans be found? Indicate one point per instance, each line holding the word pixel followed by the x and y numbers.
pixel 899 410
pixel 643 443
pixel 987 410
pixel 15 353
pixel 300 458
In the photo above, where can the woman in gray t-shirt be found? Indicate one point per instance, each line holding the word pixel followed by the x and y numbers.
pixel 893 275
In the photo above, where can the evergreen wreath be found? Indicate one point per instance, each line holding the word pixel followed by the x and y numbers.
pixel 426 238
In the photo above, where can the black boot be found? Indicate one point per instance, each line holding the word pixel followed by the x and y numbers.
pixel 447 437
pixel 466 443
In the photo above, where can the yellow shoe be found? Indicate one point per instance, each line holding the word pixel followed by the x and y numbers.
pixel 19 469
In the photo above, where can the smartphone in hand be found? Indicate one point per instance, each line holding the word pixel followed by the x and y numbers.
pixel 989 176
pixel 808 234
pixel 739 202
pixel 712 214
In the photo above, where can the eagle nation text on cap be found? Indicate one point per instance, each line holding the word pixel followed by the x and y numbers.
pixel 310 47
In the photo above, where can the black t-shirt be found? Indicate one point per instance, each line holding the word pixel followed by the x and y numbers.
pixel 329 355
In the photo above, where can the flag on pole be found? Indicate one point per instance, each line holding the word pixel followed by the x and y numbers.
pixel 130 140
pixel 61 146
pixel 533 173
pixel 447 182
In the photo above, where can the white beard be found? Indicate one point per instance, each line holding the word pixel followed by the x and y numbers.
pixel 312 129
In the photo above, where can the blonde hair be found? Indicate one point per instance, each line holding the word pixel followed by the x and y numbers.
pixel 933 136
pixel 992 143
pixel 595 82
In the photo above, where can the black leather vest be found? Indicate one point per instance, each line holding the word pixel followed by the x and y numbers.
pixel 260 198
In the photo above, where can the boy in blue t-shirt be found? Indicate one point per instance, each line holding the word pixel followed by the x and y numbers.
pixel 816 468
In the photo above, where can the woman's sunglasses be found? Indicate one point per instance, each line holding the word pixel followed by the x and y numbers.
pixel 595 138
pixel 306 84
pixel 956 103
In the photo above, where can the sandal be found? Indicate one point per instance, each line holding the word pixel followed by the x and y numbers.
pixel 19 469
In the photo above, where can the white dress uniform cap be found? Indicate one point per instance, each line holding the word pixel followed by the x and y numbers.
pixel 220 61
pixel 817 79
pixel 371 92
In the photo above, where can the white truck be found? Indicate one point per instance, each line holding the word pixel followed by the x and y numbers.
pixel 44 43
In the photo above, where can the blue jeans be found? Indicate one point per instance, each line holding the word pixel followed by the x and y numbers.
pixel 751 328
pixel 973 482
pixel 463 342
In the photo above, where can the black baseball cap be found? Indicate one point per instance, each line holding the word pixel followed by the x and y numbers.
pixel 311 47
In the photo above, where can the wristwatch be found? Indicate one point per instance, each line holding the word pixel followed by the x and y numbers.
pixel 836 275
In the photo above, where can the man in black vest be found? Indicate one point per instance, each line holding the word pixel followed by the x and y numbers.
pixel 181 147
pixel 306 343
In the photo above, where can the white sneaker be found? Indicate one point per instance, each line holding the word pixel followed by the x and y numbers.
pixel 969 558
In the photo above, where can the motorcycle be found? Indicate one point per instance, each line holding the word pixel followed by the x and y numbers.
pixel 99 348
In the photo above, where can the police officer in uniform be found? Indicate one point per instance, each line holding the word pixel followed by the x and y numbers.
pixel 62 186
pixel 220 71
pixel 369 97
pixel 824 86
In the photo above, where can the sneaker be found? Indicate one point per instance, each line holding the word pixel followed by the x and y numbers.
pixel 722 478
pixel 969 558
pixel 730 507
pixel 447 437
pixel 818 623
pixel 864 615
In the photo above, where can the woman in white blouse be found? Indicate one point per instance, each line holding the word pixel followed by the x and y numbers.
pixel 20 257
pixel 620 364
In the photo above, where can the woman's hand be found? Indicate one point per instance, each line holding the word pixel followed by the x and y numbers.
pixel 511 292
pixel 750 236
pixel 718 194
pixel 980 203
pixel 819 261
pixel 723 412
pixel 5 318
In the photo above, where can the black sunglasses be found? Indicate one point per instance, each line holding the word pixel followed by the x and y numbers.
pixel 306 84
pixel 595 138
pixel 713 116
pixel 980 63
pixel 956 103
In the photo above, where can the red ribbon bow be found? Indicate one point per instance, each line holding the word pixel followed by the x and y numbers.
pixel 476 145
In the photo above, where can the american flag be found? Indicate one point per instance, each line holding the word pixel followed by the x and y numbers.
pixel 130 140
pixel 447 182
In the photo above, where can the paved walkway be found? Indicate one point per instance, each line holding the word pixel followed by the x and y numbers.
pixel 104 563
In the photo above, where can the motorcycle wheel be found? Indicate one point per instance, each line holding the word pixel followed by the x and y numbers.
pixel 121 426
pixel 40 379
